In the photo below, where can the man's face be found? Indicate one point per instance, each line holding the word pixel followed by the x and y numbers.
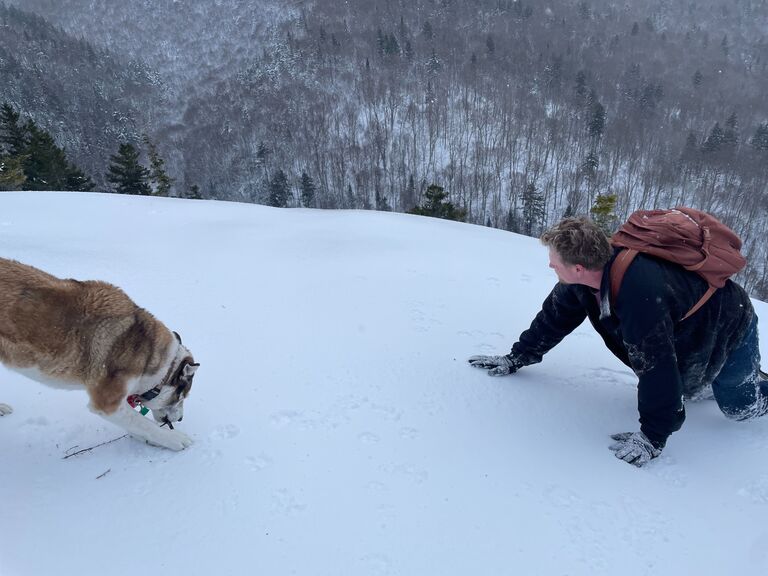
pixel 566 273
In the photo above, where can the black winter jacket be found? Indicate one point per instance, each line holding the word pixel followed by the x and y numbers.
pixel 670 357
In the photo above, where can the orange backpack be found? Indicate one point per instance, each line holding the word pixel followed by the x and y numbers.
pixel 695 240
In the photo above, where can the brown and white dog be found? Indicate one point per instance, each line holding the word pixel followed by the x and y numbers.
pixel 91 335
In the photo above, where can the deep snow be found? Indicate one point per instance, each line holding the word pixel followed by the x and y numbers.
pixel 338 428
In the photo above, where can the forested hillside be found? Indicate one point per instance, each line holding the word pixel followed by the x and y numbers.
pixel 522 111
pixel 88 98
pixel 188 42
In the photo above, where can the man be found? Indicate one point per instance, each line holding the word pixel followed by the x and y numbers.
pixel 673 359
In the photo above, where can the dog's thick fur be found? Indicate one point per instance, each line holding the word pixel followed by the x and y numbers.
pixel 91 335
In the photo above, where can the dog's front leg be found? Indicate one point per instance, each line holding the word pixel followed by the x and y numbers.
pixel 145 429
pixel 5 409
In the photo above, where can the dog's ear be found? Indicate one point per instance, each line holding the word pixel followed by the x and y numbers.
pixel 189 371
pixel 177 337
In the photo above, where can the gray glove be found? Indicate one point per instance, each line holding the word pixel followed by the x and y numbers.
pixel 497 365
pixel 634 448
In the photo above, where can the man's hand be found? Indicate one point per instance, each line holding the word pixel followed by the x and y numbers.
pixel 497 365
pixel 634 447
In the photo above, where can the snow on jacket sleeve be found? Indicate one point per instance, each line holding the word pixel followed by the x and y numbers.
pixel 648 331
pixel 561 313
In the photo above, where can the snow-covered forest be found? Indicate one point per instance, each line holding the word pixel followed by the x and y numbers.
pixel 522 111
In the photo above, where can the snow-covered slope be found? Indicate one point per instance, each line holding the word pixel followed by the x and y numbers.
pixel 338 429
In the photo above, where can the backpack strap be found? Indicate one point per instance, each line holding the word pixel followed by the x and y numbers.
pixel 619 268
pixel 701 302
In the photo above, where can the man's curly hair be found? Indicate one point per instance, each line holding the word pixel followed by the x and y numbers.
pixel 579 241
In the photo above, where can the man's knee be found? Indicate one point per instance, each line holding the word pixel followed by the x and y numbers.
pixel 744 413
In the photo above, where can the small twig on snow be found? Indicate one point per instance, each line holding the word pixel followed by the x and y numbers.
pixel 92 447
pixel 105 473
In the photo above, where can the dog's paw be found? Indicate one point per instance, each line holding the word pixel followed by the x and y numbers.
pixel 172 439
pixel 5 409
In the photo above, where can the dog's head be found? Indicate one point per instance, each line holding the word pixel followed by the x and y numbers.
pixel 168 404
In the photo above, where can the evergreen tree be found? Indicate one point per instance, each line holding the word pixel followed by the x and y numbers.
pixel 580 89
pixel 760 139
pixel 30 158
pixel 12 175
pixel 725 46
pixel 715 140
pixel 437 207
pixel 590 165
pixel 382 204
pixel 604 212
pixel 76 180
pixel 194 192
pixel 279 192
pixel 596 122
pixel 263 152
pixel 490 45
pixel 308 191
pixel 512 223
pixel 45 164
pixel 408 51
pixel 11 132
pixel 387 44
pixel 650 97
pixel 433 63
pixel 391 48
pixel 426 30
pixel 157 174
pixel 698 78
pixel 350 201
pixel 731 132
pixel 533 209
pixel 126 172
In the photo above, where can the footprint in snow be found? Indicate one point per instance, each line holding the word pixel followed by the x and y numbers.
pixel 283 502
pixel 387 412
pixel 666 469
pixel 368 438
pixel 420 321
pixel 757 491
pixel 285 418
pixel 259 462
pixel 376 564
pixel 487 348
pixel 39 421
pixel 225 432
pixel 561 496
